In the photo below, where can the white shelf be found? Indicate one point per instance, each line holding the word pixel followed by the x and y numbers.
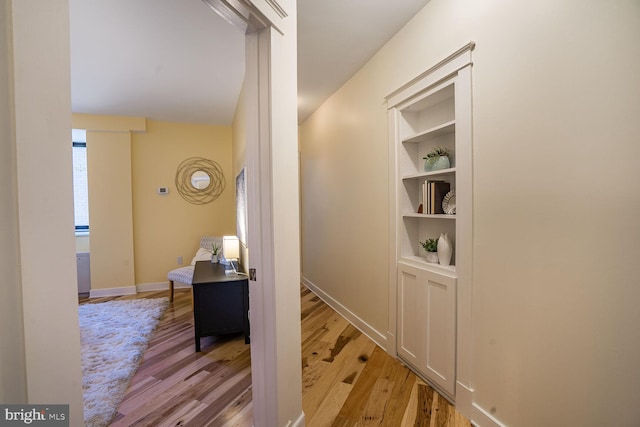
pixel 419 262
pixel 441 172
pixel 419 215
pixel 434 132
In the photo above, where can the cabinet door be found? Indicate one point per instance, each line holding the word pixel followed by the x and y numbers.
pixel 440 310
pixel 411 316
pixel 426 324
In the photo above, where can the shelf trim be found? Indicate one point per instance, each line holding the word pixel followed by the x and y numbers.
pixel 448 171
pixel 434 132
pixel 432 216
pixel 421 263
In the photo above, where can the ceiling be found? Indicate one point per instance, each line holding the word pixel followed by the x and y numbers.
pixel 179 61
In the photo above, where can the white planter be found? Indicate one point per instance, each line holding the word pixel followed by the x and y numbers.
pixel 441 162
pixel 214 259
pixel 432 257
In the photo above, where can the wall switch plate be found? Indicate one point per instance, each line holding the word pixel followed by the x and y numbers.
pixel 179 260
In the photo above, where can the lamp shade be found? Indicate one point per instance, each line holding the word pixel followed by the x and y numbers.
pixel 231 247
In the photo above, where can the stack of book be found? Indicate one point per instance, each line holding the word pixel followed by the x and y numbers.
pixel 433 193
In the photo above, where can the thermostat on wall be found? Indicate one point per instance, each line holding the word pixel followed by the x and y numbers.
pixel 163 190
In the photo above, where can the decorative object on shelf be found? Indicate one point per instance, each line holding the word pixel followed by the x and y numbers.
pixel 449 203
pixel 436 159
pixel 432 257
pixel 199 180
pixel 445 249
pixel 215 253
pixel 431 246
pixel 433 193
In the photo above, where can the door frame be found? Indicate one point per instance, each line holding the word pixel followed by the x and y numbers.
pixel 270 39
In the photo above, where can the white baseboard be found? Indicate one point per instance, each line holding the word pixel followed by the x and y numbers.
pixel 132 290
pixel 160 286
pixel 112 292
pixel 392 349
pixel 375 336
pixel 464 399
pixel 482 418
pixel 299 422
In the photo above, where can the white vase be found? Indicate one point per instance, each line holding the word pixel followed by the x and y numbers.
pixel 445 249
pixel 214 259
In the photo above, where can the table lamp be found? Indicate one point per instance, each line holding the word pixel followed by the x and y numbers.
pixel 231 252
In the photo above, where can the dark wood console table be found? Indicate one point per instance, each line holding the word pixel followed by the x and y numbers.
pixel 220 302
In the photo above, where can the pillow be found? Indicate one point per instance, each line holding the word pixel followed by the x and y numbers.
pixel 202 255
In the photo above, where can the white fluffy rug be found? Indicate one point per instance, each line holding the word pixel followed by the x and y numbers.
pixel 113 337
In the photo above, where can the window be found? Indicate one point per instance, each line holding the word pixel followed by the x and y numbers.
pixel 80 183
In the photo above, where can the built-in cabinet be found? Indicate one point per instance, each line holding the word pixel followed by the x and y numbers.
pixel 427 323
pixel 433 110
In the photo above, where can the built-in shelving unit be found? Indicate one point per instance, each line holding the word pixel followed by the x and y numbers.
pixel 434 110
pixel 424 122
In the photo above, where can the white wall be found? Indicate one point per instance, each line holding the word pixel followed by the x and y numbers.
pixel 13 388
pixel 286 221
pixel 42 114
pixel 557 199
pixel 270 114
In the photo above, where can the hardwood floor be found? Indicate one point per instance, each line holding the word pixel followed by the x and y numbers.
pixel 347 379
pixel 175 386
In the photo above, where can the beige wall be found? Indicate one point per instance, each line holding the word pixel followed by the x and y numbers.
pixel 555 222
pixel 137 234
pixel 110 198
pixel 110 206
pixel 13 388
pixel 39 189
pixel 344 199
pixel 166 227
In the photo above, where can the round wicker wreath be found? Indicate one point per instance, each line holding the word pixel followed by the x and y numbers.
pixel 204 195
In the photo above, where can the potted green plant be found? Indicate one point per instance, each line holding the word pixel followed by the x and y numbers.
pixel 436 159
pixel 215 253
pixel 431 247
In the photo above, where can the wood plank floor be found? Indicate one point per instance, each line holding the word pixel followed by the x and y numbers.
pixel 347 379
pixel 175 386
